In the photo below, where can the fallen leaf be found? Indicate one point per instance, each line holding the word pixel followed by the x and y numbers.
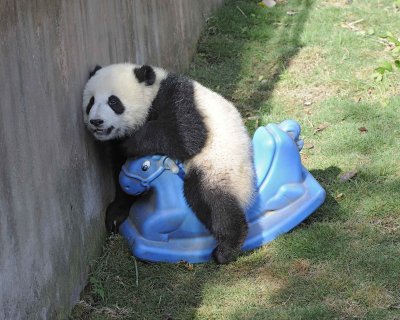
pixel 321 127
pixel 340 196
pixel 307 111
pixel 308 146
pixel 268 3
pixel 347 176
pixel 189 266
pixel 186 264
pixel 363 129
pixel 307 103
pixel 304 156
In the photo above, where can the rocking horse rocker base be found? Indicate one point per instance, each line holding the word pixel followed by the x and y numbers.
pixel 162 228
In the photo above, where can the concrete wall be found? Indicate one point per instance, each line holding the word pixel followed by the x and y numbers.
pixel 54 184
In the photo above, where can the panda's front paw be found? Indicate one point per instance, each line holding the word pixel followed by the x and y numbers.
pixel 124 148
pixel 115 216
pixel 129 147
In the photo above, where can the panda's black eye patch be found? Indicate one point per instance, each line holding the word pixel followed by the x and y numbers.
pixel 90 105
pixel 116 104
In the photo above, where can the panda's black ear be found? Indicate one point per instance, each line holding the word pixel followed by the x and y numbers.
pixel 93 72
pixel 145 74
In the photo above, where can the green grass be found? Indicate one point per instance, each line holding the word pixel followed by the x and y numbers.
pixel 343 262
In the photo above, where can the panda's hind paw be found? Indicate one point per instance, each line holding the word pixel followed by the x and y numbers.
pixel 225 255
pixel 115 216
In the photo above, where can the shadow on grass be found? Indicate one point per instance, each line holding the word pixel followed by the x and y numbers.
pixel 245 48
pixel 330 208
pixel 334 266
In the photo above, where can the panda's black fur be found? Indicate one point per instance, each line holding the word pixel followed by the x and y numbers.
pixel 174 126
pixel 172 108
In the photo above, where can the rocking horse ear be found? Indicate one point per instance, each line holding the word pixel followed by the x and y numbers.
pixel 171 165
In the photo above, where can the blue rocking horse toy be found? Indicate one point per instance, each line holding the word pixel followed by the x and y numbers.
pixel 162 227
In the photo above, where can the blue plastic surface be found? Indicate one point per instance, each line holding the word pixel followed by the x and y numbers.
pixel 161 226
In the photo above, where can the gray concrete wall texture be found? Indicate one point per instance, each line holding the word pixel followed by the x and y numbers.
pixel 54 183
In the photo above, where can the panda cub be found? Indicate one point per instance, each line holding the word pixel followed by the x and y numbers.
pixel 146 110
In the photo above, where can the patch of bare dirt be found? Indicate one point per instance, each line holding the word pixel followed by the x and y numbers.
pixel 301 267
pixel 347 308
pixel 307 60
pixel 390 225
pixel 374 296
pixel 304 95
pixel 301 67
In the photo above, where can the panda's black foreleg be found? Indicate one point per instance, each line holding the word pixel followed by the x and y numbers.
pixel 118 210
pixel 161 137
pixel 221 213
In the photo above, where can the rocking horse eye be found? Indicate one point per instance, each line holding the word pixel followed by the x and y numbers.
pixel 146 165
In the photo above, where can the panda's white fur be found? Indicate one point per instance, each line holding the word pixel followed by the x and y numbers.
pixel 222 166
pixel 227 153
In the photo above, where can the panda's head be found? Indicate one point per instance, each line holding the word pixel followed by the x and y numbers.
pixel 117 98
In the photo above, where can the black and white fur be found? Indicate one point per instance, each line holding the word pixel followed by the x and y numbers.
pixel 146 110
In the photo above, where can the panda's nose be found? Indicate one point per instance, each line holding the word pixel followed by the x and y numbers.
pixel 96 122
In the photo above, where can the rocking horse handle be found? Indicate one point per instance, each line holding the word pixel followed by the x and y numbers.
pixel 293 129
pixel 171 165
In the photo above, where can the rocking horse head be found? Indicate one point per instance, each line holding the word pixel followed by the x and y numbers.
pixel 140 174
